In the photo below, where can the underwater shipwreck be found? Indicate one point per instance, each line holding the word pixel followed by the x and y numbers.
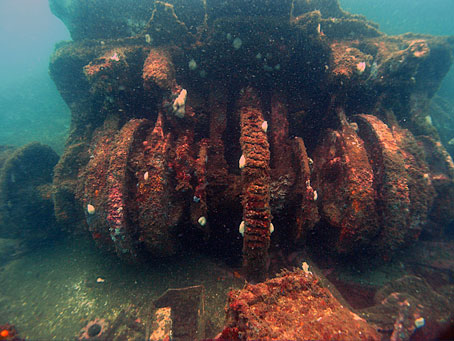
pixel 248 128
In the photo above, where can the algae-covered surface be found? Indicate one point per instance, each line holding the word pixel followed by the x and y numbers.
pixel 52 292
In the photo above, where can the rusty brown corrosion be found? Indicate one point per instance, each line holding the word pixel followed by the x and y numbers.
pixel 255 176
pixel 390 182
pixel 345 178
pixel 154 218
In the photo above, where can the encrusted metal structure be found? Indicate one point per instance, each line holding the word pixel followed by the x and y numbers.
pixel 213 124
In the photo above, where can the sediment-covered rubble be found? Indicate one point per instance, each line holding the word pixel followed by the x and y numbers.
pixel 292 306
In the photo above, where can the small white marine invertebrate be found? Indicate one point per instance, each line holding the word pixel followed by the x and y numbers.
pixel 115 57
pixel 305 267
pixel 148 38
pixel 420 322
pixel 242 162
pixel 90 209
pixel 241 228
pixel 179 104
pixel 361 66
pixel 202 221
pixel 265 126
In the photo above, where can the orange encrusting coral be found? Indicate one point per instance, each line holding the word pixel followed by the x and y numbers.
pixel 292 306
